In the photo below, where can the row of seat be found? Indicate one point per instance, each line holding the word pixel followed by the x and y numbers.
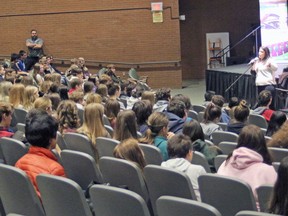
pixel 63 196
pixel 197 113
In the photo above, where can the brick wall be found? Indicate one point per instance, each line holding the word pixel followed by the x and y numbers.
pixel 122 31
pixel 103 30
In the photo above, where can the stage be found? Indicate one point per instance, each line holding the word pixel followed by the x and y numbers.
pixel 219 79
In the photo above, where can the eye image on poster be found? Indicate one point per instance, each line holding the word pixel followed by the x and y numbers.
pixel 274 27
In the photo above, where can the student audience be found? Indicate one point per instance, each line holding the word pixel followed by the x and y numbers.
pixel 180 151
pixel 129 150
pixel 41 132
pixel 93 125
pixel 158 134
pixel 5 120
pixel 194 130
pixel 264 102
pixel 219 101
pixel 279 201
pixel 67 116
pixel 112 108
pixel 277 119
pixel 241 114
pixel 176 113
pixel 143 109
pixel 126 126
pixel 280 138
pixel 250 161
pixel 212 116
pixel 44 89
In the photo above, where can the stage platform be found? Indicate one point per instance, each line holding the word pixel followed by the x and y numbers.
pixel 219 79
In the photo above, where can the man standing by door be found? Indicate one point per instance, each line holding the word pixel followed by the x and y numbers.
pixel 35 47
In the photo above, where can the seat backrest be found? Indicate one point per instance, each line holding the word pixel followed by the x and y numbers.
pixel 254 213
pixel 198 108
pixel 12 150
pixel 109 129
pixel 218 160
pixel 112 201
pixel 122 173
pixel 78 142
pixel 209 143
pixel 171 206
pixel 81 168
pixel 277 154
pixel 81 115
pixel 226 194
pixel 200 116
pixel 105 146
pixel 162 181
pixel 20 115
pixel 200 159
pixel 106 120
pixel 276 165
pixel 17 192
pixel 227 147
pixel 223 125
pixel 133 74
pixel 60 141
pixel 124 101
pixel 152 154
pixel 62 196
pixel 264 193
pixel 193 114
pixel 258 120
pixel 21 127
pixel 220 136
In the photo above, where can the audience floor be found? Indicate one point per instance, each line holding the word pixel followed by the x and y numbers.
pixel 194 89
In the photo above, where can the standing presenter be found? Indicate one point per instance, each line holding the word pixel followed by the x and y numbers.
pixel 265 69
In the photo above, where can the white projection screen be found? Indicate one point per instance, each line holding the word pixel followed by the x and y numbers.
pixel 274 28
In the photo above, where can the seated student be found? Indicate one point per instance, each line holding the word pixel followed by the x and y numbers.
pixel 219 101
pixel 157 133
pixel 5 120
pixel 126 126
pixel 143 109
pixel 241 114
pixel 163 97
pixel 208 97
pixel 130 150
pixel 280 138
pixel 180 153
pixel 194 130
pixel 75 84
pixel 264 101
pixel 212 116
pixel 41 132
pixel 250 161
pixel 78 97
pixel 277 119
pixel 233 102
pixel 177 116
pixel 279 201
pixel 186 100
pixel 112 108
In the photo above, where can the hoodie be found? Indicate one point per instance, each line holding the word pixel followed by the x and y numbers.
pixel 175 123
pixel 247 165
pixel 191 170
pixel 264 111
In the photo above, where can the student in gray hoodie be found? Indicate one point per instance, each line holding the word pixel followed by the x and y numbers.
pixel 180 151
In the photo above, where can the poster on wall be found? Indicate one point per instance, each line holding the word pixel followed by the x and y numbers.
pixel 274 27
